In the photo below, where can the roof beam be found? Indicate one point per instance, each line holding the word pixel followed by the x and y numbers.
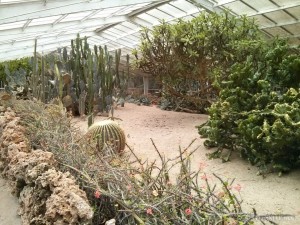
pixel 59 19
pixel 279 25
pixel 132 16
pixel 208 5
pixel 221 3
pixel 60 27
pixel 286 6
pixel 28 51
pixel 33 10
pixel 26 24
pixel 94 12
pixel 106 36
pixel 41 41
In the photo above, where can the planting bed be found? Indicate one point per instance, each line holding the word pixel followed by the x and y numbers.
pixel 169 129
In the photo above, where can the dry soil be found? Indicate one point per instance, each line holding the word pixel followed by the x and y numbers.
pixel 169 130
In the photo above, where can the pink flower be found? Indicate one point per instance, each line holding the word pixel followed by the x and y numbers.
pixel 97 194
pixel 129 187
pixel 149 211
pixel 188 211
pixel 202 165
pixel 203 186
pixel 204 177
pixel 238 187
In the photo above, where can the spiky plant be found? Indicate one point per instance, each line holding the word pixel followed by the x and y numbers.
pixel 107 132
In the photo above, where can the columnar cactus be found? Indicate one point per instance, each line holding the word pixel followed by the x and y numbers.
pixel 107 132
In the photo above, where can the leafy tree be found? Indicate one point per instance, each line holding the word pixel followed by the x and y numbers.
pixel 188 56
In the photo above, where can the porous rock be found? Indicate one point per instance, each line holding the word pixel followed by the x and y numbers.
pixel 46 195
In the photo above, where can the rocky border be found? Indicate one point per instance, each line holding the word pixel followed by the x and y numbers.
pixel 46 195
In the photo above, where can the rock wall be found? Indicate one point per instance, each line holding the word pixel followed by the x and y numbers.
pixel 46 195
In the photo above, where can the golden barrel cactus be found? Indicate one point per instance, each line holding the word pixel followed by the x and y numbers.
pixel 107 132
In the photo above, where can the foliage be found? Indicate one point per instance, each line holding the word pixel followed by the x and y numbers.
pixel 258 111
pixel 15 70
pixel 188 56
pixel 127 189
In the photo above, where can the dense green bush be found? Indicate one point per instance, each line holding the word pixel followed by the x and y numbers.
pixel 258 110
pixel 13 66
pixel 183 56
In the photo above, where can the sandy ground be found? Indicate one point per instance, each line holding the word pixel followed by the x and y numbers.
pixel 168 130
pixel 8 206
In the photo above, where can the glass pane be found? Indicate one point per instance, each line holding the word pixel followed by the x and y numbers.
pixel 8 26
pixel 107 12
pixel 76 16
pixel 261 5
pixel 277 31
pixel 185 6
pixel 263 21
pixel 280 17
pixel 172 10
pixel 294 28
pixel 295 11
pixel 44 20
pixel 240 8
pixel 148 18
pixel 131 8
pixel 159 14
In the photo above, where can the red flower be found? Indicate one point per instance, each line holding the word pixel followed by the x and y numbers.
pixel 238 187
pixel 204 177
pixel 149 211
pixel 188 211
pixel 97 194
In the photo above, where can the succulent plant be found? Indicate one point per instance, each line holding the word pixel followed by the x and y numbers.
pixel 81 103
pixel 107 132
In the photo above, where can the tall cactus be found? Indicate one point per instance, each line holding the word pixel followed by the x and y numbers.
pixel 60 82
pixel 117 62
pixel 96 72
pixel 34 78
pixel 81 103
pixel 43 96
pixel 90 84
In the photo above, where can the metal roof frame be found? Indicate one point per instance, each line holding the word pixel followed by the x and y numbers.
pixel 53 23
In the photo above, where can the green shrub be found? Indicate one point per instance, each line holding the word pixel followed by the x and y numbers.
pixel 183 56
pixel 13 66
pixel 258 111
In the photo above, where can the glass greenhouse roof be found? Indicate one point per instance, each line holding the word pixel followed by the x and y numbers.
pixel 116 23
